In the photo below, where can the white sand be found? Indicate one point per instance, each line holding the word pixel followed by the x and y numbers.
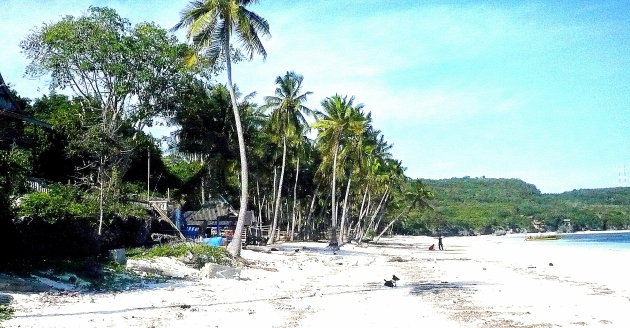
pixel 476 282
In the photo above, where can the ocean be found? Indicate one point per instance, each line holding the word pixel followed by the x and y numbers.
pixel 614 240
pixel 601 240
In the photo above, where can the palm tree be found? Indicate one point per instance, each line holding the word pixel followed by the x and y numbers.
pixel 417 196
pixel 375 171
pixel 210 26
pixel 340 121
pixel 287 121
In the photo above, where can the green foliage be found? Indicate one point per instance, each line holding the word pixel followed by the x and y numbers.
pixel 65 144
pixel 480 206
pixel 200 253
pixel 123 76
pixel 207 131
pixel 184 170
pixel 211 25
pixel 14 167
pixel 102 57
pixel 606 196
pixel 62 201
pixel 123 209
pixel 287 117
pixel 59 202
pixel 6 312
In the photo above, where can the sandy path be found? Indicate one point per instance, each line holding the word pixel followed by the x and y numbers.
pixel 476 282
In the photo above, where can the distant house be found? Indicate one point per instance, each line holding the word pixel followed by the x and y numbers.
pixel 12 119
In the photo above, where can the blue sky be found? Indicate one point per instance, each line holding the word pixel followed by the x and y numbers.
pixel 536 90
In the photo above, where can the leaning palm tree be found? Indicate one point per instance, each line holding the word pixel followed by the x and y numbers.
pixel 417 197
pixel 211 25
pixel 287 122
pixel 339 122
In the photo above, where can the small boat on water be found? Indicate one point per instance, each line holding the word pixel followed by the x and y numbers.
pixel 546 236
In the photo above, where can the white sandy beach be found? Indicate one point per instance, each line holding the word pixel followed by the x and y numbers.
pixel 482 281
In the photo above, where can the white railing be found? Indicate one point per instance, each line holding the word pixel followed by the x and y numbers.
pixel 36 185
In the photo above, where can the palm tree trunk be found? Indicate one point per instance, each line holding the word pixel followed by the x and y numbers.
pixel 392 223
pixel 369 226
pixel 344 211
pixel 363 216
pixel 334 243
pixel 299 224
pixel 277 208
pixel 235 246
pixel 261 203
pixel 286 206
pixel 260 215
pixel 275 182
pixel 100 199
pixel 357 227
pixel 309 217
pixel 381 214
pixel 297 174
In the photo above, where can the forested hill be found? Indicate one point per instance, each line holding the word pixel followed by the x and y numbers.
pixel 481 206
pixel 607 196
pixel 482 190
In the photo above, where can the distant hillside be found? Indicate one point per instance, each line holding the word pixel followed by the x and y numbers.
pixel 482 190
pixel 483 206
pixel 607 196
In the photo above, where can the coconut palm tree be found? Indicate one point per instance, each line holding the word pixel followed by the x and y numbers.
pixel 286 123
pixel 417 197
pixel 211 26
pixel 374 156
pixel 339 122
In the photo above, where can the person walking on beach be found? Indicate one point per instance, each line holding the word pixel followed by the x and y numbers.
pixel 440 245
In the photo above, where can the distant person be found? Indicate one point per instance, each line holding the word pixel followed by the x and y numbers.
pixel 432 247
pixel 440 245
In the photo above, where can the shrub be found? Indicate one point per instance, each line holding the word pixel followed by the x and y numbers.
pixel 6 312
pixel 201 253
pixel 59 202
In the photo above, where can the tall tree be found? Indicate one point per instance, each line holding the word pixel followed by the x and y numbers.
pixel 287 123
pixel 211 26
pixel 207 133
pixel 127 74
pixel 339 122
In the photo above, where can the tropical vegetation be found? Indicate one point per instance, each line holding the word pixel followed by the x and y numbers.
pixel 465 206
pixel 95 166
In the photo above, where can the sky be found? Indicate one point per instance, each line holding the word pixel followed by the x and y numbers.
pixel 535 90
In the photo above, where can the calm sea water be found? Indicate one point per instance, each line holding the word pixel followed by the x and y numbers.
pixel 605 240
pixel 612 240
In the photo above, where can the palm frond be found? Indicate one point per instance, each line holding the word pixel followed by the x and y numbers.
pixel 188 15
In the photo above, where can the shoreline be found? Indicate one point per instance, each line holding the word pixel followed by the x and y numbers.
pixel 594 232
pixel 478 281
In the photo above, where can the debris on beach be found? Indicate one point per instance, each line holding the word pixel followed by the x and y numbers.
pixel 397 259
pixel 212 270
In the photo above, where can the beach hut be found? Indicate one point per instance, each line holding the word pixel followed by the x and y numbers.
pixel 12 119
